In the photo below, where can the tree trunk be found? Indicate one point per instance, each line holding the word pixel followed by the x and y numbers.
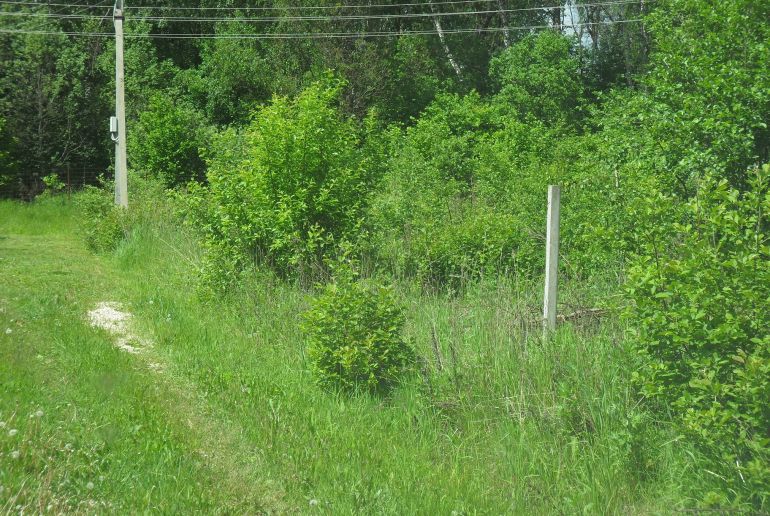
pixel 645 36
pixel 504 18
pixel 450 57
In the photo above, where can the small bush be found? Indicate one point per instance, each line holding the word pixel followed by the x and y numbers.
pixel 475 242
pixel 701 299
pixel 354 335
pixel 103 224
pixel 53 184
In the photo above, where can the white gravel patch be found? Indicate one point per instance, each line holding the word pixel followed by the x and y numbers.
pixel 111 317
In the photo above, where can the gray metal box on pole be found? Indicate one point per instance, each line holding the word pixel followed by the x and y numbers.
pixel 551 260
pixel 121 170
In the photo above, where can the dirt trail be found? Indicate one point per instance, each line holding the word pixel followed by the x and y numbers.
pixel 221 444
pixel 109 316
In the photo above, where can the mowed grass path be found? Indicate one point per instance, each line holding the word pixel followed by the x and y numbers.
pixel 230 420
pixel 88 427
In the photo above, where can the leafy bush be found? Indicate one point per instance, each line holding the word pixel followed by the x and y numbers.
pixel 460 194
pixel 540 78
pixel 287 190
pixel 167 141
pixel 103 224
pixel 701 299
pixel 354 339
pixel 53 184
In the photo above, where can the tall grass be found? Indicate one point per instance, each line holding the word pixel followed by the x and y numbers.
pixel 494 419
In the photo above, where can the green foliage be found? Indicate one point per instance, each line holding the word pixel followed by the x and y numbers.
pixel 700 292
pixel 54 117
pixel 7 175
pixel 354 335
pixel 705 104
pixel 416 79
pixel 711 87
pixel 53 184
pixel 461 193
pixel 288 189
pixel 233 75
pixel 166 142
pixel 102 224
pixel 540 78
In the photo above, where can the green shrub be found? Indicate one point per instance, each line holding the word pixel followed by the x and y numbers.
pixel 540 78
pixel 167 140
pixel 53 184
pixel 288 189
pixel 354 339
pixel 701 308
pixel 473 242
pixel 103 224
pixel 461 197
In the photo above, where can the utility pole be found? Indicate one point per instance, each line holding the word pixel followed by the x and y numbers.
pixel 121 170
pixel 551 260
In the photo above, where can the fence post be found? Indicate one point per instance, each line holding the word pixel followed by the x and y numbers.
pixel 551 260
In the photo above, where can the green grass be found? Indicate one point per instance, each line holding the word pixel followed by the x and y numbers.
pixel 497 421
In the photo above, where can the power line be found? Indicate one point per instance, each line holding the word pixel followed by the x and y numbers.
pixel 374 16
pixel 312 8
pixel 98 5
pixel 55 16
pixel 267 8
pixel 270 19
pixel 371 6
pixel 101 4
pixel 287 8
pixel 317 35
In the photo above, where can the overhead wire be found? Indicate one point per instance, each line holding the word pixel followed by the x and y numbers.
pixel 308 8
pixel 270 19
pixel 321 7
pixel 81 7
pixel 80 12
pixel 397 15
pixel 260 8
pixel 319 35
pixel 292 35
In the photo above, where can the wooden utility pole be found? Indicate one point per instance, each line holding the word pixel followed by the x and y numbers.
pixel 551 260
pixel 121 170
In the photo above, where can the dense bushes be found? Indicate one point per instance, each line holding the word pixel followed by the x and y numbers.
pixel 701 292
pixel 459 193
pixel 354 335
pixel 103 225
pixel 289 188
pixel 540 79
pixel 167 140
pixel 5 176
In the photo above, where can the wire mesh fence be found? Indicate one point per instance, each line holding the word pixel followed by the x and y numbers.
pixel 27 186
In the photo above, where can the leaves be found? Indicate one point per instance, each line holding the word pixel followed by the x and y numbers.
pixel 354 339
pixel 705 347
pixel 288 189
